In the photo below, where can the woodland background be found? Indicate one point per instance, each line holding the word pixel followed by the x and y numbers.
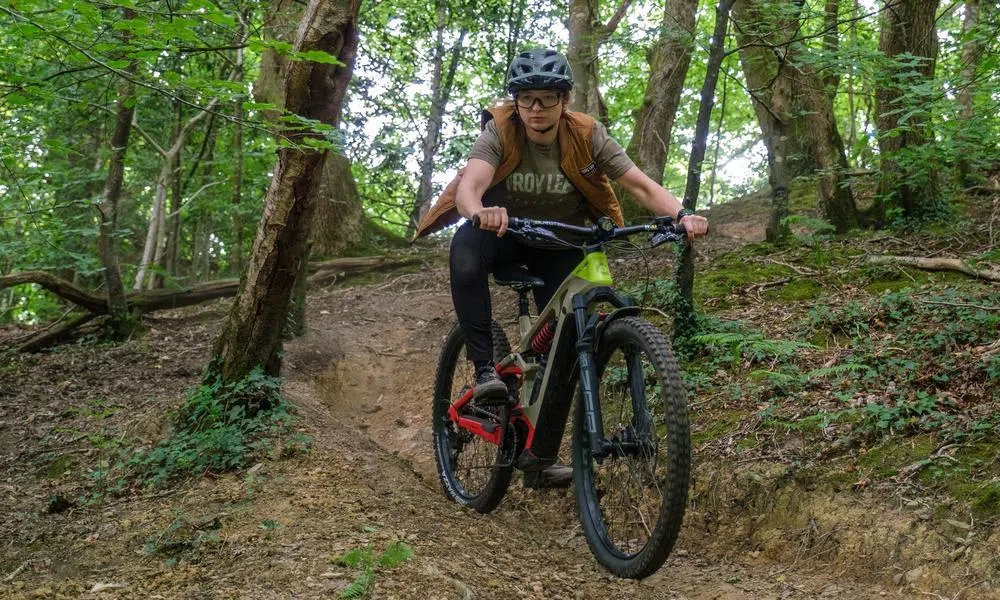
pixel 839 334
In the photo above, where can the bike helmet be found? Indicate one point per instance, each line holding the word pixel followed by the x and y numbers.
pixel 541 68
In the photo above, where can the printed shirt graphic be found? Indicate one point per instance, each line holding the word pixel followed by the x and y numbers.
pixel 538 189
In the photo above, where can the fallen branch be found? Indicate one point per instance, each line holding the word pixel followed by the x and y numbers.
pixel 936 264
pixel 46 337
pixel 59 287
pixel 151 300
pixel 336 270
pixel 959 304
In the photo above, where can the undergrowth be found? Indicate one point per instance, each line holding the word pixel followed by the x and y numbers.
pixel 222 427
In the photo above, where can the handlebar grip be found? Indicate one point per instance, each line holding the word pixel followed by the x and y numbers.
pixel 475 221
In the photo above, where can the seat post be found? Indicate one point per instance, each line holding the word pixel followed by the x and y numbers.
pixel 523 316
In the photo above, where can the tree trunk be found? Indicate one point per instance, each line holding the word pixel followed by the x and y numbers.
pixel 684 276
pixel 807 121
pixel 154 280
pixel 836 201
pixel 831 44
pixel 338 213
pixel 174 218
pixel 251 336
pixel 237 252
pixel 337 222
pixel 108 208
pixel 971 50
pixel 584 43
pixel 441 84
pixel 762 35
pixel 515 22
pixel 909 176
pixel 152 234
pixel 669 61
pixel 777 159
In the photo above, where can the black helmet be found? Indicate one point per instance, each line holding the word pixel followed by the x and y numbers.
pixel 541 68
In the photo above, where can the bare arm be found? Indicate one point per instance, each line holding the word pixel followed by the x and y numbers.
pixel 659 201
pixel 469 197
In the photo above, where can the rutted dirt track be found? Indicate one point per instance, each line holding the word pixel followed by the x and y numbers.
pixel 361 378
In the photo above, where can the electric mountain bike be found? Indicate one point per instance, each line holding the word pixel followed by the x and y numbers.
pixel 631 443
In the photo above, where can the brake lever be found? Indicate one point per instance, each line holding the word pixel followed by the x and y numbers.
pixel 677 233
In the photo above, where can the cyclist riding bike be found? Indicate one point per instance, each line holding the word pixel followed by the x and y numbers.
pixel 534 159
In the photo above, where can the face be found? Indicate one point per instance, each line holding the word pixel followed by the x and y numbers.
pixel 540 109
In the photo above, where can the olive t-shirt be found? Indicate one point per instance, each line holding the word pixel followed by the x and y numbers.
pixel 538 189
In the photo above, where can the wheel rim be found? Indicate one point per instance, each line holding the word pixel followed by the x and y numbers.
pixel 467 460
pixel 630 484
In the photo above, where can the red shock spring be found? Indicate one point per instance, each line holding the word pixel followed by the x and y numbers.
pixel 542 341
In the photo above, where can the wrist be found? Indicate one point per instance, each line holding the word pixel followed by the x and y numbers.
pixel 684 212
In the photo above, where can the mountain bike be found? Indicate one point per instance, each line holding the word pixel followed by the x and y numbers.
pixel 631 443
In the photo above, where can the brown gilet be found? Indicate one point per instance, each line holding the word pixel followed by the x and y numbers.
pixel 576 131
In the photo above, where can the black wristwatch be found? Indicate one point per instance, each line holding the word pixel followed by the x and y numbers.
pixel 683 213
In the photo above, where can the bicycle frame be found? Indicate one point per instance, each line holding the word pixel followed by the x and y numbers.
pixel 577 331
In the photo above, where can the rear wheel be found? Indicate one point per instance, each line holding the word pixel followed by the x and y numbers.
pixel 632 500
pixel 473 471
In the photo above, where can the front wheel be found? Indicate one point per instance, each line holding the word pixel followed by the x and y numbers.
pixel 473 471
pixel 632 500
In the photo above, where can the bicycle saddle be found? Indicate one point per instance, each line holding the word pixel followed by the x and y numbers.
pixel 516 276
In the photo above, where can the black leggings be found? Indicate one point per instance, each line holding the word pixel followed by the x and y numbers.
pixel 475 253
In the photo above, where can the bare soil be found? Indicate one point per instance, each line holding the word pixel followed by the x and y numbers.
pixel 361 379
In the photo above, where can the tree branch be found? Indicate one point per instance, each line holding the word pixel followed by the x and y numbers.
pixel 937 264
pixel 615 19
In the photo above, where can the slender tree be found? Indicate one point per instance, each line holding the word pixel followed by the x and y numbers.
pixel 586 34
pixel 441 86
pixel 971 51
pixel 108 208
pixel 684 276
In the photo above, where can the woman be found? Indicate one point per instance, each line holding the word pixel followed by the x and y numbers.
pixel 534 159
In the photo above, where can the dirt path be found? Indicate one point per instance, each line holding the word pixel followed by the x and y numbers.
pixel 361 378
pixel 385 341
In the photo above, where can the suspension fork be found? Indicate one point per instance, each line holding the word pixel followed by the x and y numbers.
pixel 588 376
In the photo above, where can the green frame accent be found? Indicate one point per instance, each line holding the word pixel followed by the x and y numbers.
pixel 594 269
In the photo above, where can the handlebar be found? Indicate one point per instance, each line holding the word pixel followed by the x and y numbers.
pixel 663 229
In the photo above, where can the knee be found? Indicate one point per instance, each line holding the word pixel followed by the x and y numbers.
pixel 466 268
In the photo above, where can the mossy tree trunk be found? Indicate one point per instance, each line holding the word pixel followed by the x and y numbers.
pixel 803 135
pixel 251 336
pixel 908 42
pixel 108 207
pixel 336 220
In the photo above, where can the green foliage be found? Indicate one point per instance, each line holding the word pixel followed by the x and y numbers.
pixel 752 347
pixel 808 229
pixel 364 558
pixel 221 427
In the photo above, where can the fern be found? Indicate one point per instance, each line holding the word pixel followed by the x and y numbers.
pixel 842 369
pixel 358 557
pixel 397 553
pixel 359 587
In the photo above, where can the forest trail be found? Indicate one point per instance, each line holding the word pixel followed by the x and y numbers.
pixel 361 378
pixel 384 341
